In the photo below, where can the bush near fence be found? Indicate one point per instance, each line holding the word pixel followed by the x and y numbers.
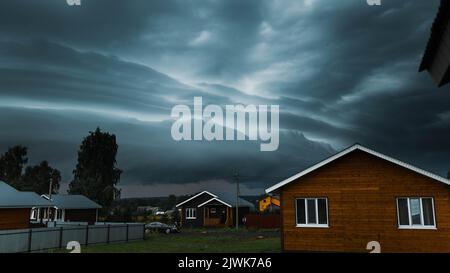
pixel 263 221
pixel 41 239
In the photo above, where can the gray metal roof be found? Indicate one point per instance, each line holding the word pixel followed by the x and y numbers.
pixel 70 201
pixel 12 198
pixel 230 198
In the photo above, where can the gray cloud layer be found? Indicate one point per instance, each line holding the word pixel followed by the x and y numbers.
pixel 341 71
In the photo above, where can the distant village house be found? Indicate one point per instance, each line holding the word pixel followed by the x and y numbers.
pixel 15 207
pixel 67 208
pixel 207 209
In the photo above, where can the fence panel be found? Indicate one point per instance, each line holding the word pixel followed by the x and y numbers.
pixel 45 238
pixel 268 221
pixel 41 239
pixel 135 232
pixel 98 234
pixel 117 233
pixel 73 233
pixel 13 241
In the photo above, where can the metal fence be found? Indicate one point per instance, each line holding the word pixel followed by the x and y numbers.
pixel 42 239
pixel 263 221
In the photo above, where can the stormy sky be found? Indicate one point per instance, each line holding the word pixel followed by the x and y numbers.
pixel 341 71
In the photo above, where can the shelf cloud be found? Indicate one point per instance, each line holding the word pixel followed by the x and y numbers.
pixel 341 72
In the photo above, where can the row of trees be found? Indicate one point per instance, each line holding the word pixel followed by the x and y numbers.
pixel 34 178
pixel 95 175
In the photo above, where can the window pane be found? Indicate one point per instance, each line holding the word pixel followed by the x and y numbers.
pixel 322 209
pixel 428 217
pixel 403 211
pixel 311 206
pixel 414 206
pixel 191 213
pixel 301 216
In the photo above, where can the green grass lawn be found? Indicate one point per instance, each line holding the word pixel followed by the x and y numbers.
pixel 198 241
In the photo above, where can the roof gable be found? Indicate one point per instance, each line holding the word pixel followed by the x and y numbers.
pixel 196 196
pixel 227 199
pixel 364 149
pixel 217 200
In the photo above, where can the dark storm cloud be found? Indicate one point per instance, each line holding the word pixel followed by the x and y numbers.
pixel 99 23
pixel 341 71
pixel 62 94
pixel 147 153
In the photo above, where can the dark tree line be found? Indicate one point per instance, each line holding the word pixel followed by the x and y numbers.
pixel 34 178
pixel 95 175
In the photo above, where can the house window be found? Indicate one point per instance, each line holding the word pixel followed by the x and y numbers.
pixel 312 212
pixel 416 212
pixel 191 213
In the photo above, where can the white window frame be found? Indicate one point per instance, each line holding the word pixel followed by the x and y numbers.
pixel 191 213
pixel 327 225
pixel 34 214
pixel 411 225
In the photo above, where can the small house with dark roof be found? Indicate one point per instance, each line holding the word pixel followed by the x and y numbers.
pixel 436 59
pixel 68 208
pixel 207 209
pixel 15 207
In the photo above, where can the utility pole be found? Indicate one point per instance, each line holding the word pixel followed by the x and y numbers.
pixel 49 198
pixel 236 177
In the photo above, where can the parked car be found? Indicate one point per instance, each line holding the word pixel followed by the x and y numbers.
pixel 161 227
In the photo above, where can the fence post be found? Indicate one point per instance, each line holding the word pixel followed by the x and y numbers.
pixel 30 235
pixel 87 234
pixel 143 232
pixel 61 237
pixel 107 238
pixel 127 233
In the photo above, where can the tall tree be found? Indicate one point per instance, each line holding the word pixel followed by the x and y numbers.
pixel 38 178
pixel 171 202
pixel 11 165
pixel 96 174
